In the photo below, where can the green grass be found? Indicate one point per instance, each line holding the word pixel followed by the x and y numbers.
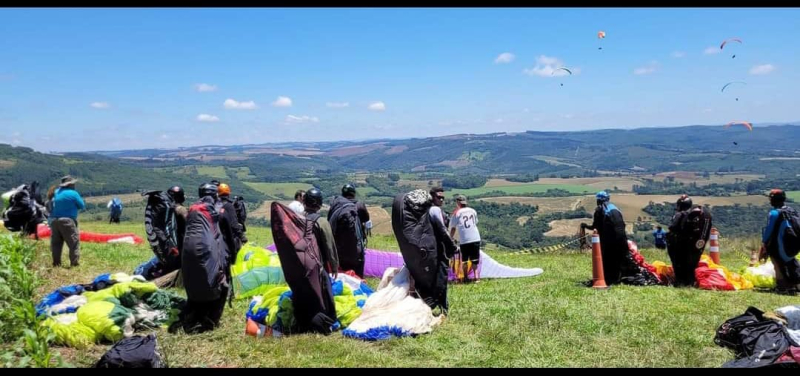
pixel 794 195
pixel 545 321
pixel 279 190
pixel 243 173
pixel 522 189
pixel 212 171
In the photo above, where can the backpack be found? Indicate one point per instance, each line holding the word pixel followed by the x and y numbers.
pixel 345 219
pixel 791 237
pixel 728 334
pixel 116 207
pixel 133 352
pixel 22 209
pixel 160 223
pixel 241 210
pixel 696 226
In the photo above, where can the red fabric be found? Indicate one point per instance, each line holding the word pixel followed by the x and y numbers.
pixel 639 259
pixel 352 274
pixel 92 237
pixel 711 279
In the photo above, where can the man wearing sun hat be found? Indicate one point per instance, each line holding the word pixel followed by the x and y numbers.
pixel 64 221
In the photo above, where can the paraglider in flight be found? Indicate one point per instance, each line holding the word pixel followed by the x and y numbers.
pixel 746 124
pixel 721 46
pixel 736 143
pixel 601 34
pixel 731 83
pixel 561 68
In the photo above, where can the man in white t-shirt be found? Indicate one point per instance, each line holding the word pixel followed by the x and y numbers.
pixel 297 204
pixel 437 193
pixel 465 220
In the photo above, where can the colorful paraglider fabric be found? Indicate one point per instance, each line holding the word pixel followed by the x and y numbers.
pixel 746 124
pixel 392 311
pixel 601 34
pixel 711 276
pixel 256 270
pixel 562 68
pixel 761 276
pixel 92 237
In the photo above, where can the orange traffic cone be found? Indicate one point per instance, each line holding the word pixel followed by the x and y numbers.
pixel 713 245
pixel 598 279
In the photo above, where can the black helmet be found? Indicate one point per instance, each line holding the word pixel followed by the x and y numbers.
pixel 684 203
pixel 777 197
pixel 177 194
pixel 207 189
pixel 348 190
pixel 313 198
pixel 215 182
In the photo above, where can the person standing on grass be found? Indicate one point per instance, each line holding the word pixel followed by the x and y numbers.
pixel 297 204
pixel 660 238
pixel 610 226
pixel 774 239
pixel 465 220
pixel 64 221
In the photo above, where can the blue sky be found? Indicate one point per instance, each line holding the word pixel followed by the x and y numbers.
pixel 89 79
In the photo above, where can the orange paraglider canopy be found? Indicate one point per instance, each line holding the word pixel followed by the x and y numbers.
pixel 601 34
pixel 745 123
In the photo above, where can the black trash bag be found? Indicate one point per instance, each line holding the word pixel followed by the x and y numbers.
pixel 133 352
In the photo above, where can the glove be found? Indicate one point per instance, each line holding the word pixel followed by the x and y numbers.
pixel 583 225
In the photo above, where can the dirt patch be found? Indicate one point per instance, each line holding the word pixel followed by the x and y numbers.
pixel 546 204
pixel 355 150
pixel 381 220
pixel 290 152
pixel 396 149
pixel 4 163
pixel 126 198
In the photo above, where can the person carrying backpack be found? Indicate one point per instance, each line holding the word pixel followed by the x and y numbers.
pixel 610 225
pixel 780 243
pixel 347 218
pixel 308 254
pixel 660 238
pixel 114 210
pixel 64 221
pixel 203 264
pixel 688 235
pixel 161 226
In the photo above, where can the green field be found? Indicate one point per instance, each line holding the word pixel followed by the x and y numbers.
pixel 212 171
pixel 545 321
pixel 522 189
pixel 363 191
pixel 242 173
pixel 794 195
pixel 279 190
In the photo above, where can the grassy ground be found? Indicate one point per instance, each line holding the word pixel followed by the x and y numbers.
pixel 213 171
pixel 523 188
pixel 794 195
pixel 544 321
pixel 285 190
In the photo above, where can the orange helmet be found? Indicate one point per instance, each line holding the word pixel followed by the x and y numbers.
pixel 224 190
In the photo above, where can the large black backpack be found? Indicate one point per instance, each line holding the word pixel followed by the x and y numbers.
pixel 241 210
pixel 696 226
pixel 133 352
pixel 345 220
pixel 791 237
pixel 160 224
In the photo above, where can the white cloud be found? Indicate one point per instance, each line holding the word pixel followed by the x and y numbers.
pixel 678 54
pixel 282 102
pixel 547 66
pixel 206 118
pixel 647 69
pixel 762 69
pixel 205 87
pixel 712 50
pixel 377 106
pixel 337 104
pixel 504 58
pixel 301 119
pixel 101 105
pixel 232 104
pixel 164 136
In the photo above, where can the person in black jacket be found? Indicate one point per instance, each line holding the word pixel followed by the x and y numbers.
pixel 610 226
pixel 229 224
pixel 425 246
pixel 348 217
pixel 204 265
pixel 689 232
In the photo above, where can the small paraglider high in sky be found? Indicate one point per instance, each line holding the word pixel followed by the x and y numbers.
pixel 561 68
pixel 736 143
pixel 601 35
pixel 722 46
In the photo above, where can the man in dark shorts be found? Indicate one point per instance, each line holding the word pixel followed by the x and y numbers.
pixel 465 220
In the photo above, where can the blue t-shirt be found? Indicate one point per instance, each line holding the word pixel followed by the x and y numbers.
pixel 66 204
pixel 660 236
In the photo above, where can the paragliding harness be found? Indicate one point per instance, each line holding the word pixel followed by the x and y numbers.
pixel 116 210
pixel 695 224
pixel 791 237
pixel 25 211
pixel 346 216
pixel 161 227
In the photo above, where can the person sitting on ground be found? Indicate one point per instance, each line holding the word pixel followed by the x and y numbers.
pixel 782 255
